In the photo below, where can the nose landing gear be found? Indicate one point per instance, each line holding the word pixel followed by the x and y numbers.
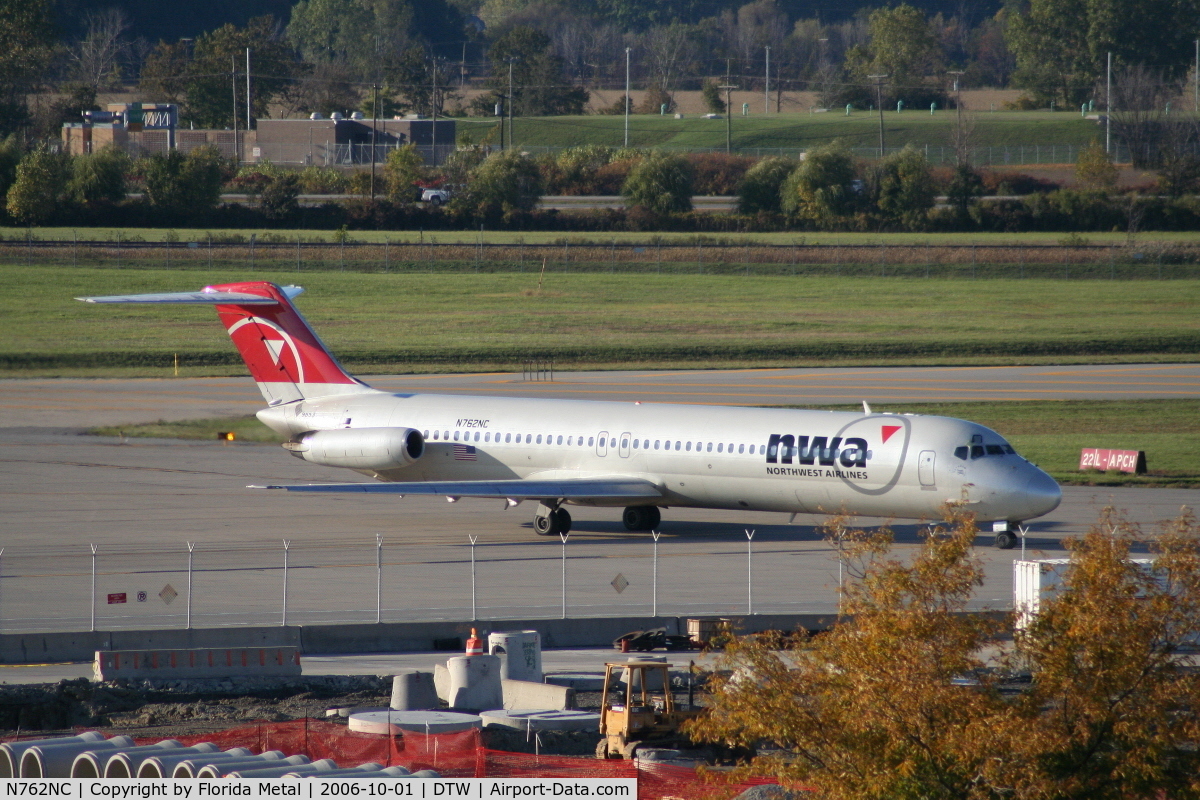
pixel 641 518
pixel 551 520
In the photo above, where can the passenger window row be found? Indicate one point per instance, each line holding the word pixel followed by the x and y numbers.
pixel 578 441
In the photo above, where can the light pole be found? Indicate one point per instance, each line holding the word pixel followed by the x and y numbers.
pixel 879 101
pixel 728 87
pixel 511 61
pixel 1108 109
pixel 627 96
pixel 767 84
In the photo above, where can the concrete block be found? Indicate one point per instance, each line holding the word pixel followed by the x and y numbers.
pixel 541 720
pixel 387 722
pixel 579 681
pixel 475 682
pixel 441 682
pixel 527 694
pixel 413 690
pixel 196 663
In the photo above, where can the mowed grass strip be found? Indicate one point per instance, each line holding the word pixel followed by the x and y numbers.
pixel 1048 433
pixel 384 323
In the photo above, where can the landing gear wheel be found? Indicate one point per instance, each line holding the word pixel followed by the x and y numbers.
pixel 1005 540
pixel 562 520
pixel 641 518
pixel 546 524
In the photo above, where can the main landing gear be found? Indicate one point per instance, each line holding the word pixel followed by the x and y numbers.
pixel 551 521
pixel 1006 537
pixel 641 518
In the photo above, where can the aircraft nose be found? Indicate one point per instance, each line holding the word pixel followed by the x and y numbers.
pixel 1043 494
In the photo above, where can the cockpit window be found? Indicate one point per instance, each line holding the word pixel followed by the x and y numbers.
pixel 962 452
pixel 995 450
pixel 1009 450
pixel 977 451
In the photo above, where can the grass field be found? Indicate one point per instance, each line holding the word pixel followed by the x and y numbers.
pixel 1048 433
pixel 860 129
pixel 480 321
pixel 201 236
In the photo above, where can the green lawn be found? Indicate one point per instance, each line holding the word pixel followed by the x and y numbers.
pixel 450 322
pixel 860 129
pixel 1048 433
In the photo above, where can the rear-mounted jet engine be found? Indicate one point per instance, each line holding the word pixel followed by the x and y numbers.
pixel 375 449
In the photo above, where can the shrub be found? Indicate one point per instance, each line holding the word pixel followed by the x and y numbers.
pixel 179 184
pixel 821 188
pixel 718 173
pixel 1095 169
pixel 404 170
pixel 904 189
pixel 505 182
pixel 321 180
pixel 40 186
pixel 711 94
pixel 98 178
pixel 661 183
pixel 278 197
pixel 760 186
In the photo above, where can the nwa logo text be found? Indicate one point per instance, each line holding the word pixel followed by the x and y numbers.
pixel 788 449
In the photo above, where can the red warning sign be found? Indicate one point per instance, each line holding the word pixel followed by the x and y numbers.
pixel 118 597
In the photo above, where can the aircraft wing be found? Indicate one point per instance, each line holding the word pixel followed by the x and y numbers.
pixel 581 489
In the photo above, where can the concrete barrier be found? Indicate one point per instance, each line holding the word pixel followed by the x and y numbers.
pixel 196 663
pixel 388 637
pixel 527 694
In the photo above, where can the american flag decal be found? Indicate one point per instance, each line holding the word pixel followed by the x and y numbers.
pixel 464 452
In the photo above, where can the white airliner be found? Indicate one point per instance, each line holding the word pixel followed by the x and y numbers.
pixel 640 457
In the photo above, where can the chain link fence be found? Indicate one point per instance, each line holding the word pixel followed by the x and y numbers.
pixel 280 582
pixel 277 252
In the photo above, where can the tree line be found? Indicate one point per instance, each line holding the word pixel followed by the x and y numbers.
pixel 394 56
pixel 828 190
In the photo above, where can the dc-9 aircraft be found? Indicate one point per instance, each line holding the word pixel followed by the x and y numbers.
pixel 639 457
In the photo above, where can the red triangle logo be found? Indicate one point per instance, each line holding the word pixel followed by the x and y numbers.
pixel 889 431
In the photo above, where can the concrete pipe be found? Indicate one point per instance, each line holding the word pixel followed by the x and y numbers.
pixel 369 770
pixel 351 774
pixel 54 760
pixel 520 653
pixel 164 766
pixel 11 752
pixel 475 682
pixel 413 690
pixel 321 767
pixel 221 769
pixel 126 764
pixel 93 763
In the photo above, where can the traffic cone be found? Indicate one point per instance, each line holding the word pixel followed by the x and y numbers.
pixel 474 645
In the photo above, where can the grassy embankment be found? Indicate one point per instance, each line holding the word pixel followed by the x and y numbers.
pixel 1049 433
pixel 860 129
pixel 486 321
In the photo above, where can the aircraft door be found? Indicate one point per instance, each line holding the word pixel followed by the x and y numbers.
pixel 925 470
pixel 602 443
pixel 623 447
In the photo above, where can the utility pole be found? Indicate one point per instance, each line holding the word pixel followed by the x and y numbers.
pixel 879 101
pixel 1108 109
pixel 237 153
pixel 728 87
pixel 374 117
pixel 247 89
pixel 957 105
pixel 627 96
pixel 510 107
pixel 767 84
pixel 1196 81
pixel 462 73
pixel 434 103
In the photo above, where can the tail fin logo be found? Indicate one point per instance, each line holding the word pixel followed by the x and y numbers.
pixel 251 332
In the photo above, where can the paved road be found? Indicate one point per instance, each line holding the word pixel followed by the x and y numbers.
pixel 67 403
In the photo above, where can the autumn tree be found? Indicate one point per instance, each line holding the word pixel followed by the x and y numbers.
pixel 504 183
pixel 404 167
pixel 26 47
pixel 871 708
pixel 184 184
pixel 904 47
pixel 1113 710
pixel 903 186
pixel 1094 168
pixel 212 93
pixel 759 189
pixel 40 186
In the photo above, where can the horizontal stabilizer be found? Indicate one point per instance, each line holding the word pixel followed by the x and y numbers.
pixel 207 296
pixel 584 489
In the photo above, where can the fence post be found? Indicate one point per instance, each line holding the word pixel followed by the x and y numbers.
pixel 749 571
pixel 612 256
pixel 93 626
pixel 286 546
pixel 74 248
pixel 210 248
pixel 654 583
pixel 118 249
pixel 473 538
pixel 191 550
pixel 297 252
pixel 378 578
pixel 385 254
pixel 564 536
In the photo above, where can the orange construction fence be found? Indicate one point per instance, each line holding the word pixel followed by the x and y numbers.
pixel 462 755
